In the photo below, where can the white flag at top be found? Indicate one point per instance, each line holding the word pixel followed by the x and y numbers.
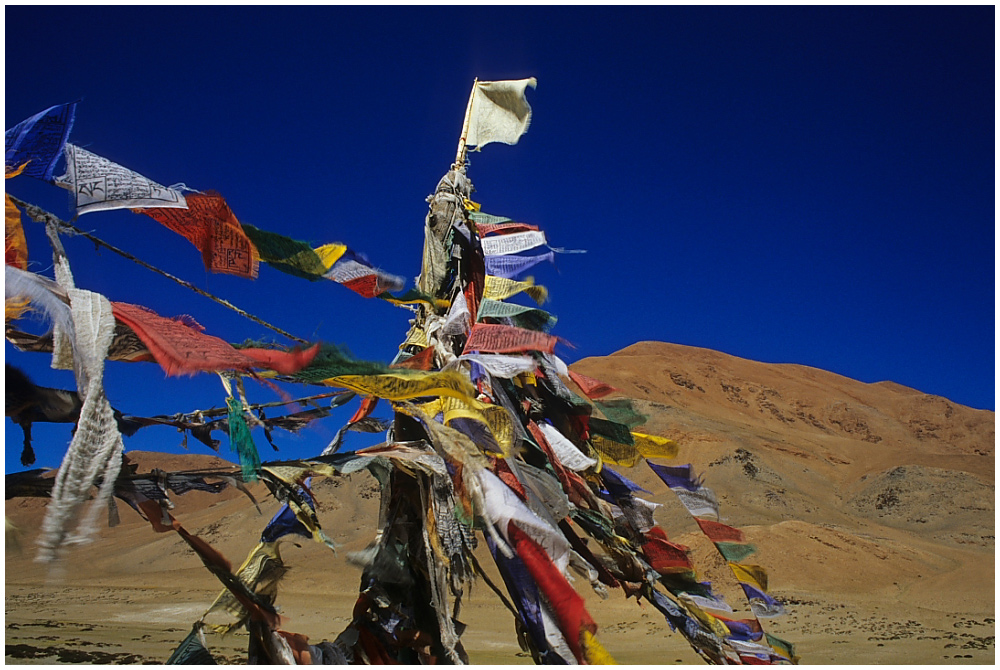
pixel 500 112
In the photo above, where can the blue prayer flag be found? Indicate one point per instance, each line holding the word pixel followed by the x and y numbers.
pixel 39 140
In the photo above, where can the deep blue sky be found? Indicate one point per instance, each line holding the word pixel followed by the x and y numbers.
pixel 794 185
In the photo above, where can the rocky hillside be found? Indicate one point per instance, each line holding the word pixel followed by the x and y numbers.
pixel 871 506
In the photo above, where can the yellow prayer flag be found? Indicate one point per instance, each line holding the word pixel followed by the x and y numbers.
pixel 501 288
pixel 754 575
pixel 594 651
pixel 390 386
pixel 330 254
pixel 653 446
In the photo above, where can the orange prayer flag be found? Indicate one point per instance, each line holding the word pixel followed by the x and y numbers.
pixel 210 225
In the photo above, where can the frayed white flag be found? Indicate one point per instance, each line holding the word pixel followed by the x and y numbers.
pixel 500 112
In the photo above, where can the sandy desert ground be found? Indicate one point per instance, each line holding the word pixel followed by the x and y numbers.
pixel 871 505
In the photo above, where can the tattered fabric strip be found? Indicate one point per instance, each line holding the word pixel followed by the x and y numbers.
pixel 95 451
pixel 100 184
pixel 180 349
pixel 211 226
pixel 39 140
pixel 505 339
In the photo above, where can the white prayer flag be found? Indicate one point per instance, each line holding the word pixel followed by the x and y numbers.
pixel 500 112
pixel 98 183
pixel 501 245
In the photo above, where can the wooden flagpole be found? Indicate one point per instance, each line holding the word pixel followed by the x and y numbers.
pixel 460 156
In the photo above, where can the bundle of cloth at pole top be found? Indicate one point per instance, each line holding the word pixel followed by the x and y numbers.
pixel 486 443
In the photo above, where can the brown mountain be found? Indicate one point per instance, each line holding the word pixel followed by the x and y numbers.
pixel 871 506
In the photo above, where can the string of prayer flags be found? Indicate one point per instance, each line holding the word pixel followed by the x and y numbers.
pixel 355 272
pixel 211 226
pixel 507 339
pixel 728 540
pixel 333 261
pixel 485 437
pixel 39 140
pixel 286 254
pixel 500 112
pixel 100 184
pixel 181 349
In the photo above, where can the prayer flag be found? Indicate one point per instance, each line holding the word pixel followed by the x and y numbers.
pixel 503 245
pixel 181 349
pixel 500 112
pixel 511 266
pixel 507 339
pixel 98 184
pixel 40 139
pixel 592 388
pixel 210 225
pixel 504 226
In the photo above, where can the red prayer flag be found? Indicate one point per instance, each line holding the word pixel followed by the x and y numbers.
pixel 567 605
pixel 592 388
pixel 662 555
pixel 210 225
pixel 720 532
pixel 181 349
pixel 508 339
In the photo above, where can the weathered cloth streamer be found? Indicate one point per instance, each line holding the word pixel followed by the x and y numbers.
pixel 40 139
pixel 210 225
pixel 506 339
pixel 100 184
pixel 180 349
pixel 96 449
